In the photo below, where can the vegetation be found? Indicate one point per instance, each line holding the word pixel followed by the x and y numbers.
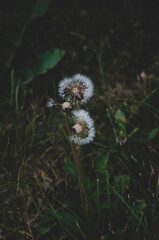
pixel 115 44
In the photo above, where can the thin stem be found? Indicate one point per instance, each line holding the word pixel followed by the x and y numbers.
pixel 77 159
pixel 69 133
pixel 84 194
pixel 86 204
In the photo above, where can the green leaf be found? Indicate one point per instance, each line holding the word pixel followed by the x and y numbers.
pixel 119 115
pixel 45 224
pixel 46 61
pixel 153 133
pixel 102 163
pixel 121 119
pixel 43 230
pixel 41 64
pixel 40 8
pixel 139 206
pixel 133 132
pixel 26 74
pixel 121 183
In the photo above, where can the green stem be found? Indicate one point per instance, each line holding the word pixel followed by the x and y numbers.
pixel 69 133
pixel 86 203
pixel 84 194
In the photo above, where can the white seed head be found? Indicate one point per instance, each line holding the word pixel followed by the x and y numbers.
pixel 66 106
pixel 78 88
pixel 50 103
pixel 84 128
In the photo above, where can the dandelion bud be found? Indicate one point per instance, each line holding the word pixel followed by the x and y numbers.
pixel 66 106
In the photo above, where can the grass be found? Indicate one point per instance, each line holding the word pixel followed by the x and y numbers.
pixel 39 190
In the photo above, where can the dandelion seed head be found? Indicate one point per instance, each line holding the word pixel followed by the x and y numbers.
pixel 79 88
pixel 50 103
pixel 84 128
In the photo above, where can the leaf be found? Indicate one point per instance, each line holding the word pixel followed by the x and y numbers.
pixel 133 132
pixel 121 183
pixel 121 119
pixel 119 115
pixel 40 65
pixel 26 74
pixel 152 133
pixel 102 163
pixel 40 8
pixel 46 61
pixel 139 206
pixel 46 224
pixel 43 230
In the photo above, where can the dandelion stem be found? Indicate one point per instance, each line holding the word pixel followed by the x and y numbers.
pixel 77 159
pixel 83 191
pixel 69 133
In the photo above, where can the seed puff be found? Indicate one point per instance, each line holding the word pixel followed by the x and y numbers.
pixel 77 89
pixel 84 131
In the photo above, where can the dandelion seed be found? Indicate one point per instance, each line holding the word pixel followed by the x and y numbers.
pixel 50 103
pixel 79 89
pixel 84 131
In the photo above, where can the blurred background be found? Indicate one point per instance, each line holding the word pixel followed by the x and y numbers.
pixel 116 44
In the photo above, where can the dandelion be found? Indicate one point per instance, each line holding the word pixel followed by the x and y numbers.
pixel 78 89
pixel 84 131
pixel 50 103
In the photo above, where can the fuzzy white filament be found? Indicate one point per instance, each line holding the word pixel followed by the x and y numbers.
pixel 84 128
pixel 78 88
pixel 50 103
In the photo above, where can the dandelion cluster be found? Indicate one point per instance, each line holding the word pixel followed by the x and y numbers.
pixel 77 90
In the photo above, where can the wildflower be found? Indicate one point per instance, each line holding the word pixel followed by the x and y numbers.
pixel 79 89
pixel 66 106
pixel 50 103
pixel 84 131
